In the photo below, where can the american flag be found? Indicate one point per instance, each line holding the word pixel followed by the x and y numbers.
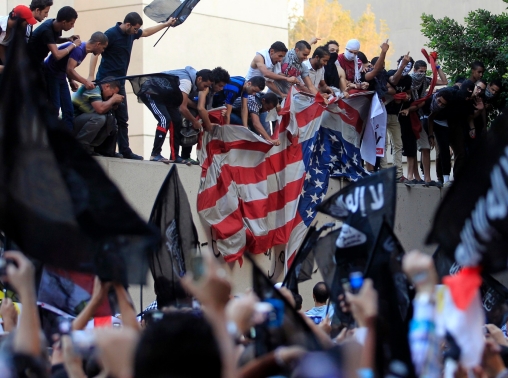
pixel 255 196
pixel 336 154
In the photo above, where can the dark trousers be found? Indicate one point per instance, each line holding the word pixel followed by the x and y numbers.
pixel 458 144
pixel 443 139
pixel 122 117
pixel 96 132
pixel 60 98
pixel 408 137
pixel 169 119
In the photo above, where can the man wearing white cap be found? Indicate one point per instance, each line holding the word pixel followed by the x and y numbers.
pixel 350 63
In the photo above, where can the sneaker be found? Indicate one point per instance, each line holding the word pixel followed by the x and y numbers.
pixel 410 183
pixel 180 160
pixel 192 161
pixel 447 184
pixel 132 156
pixel 159 158
pixel 401 179
pixel 437 184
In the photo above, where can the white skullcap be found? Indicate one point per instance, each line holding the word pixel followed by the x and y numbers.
pixel 353 44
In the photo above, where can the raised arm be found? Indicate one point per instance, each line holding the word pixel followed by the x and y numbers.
pixel 157 28
pixel 442 77
pixel 395 78
pixel 21 275
pixel 378 67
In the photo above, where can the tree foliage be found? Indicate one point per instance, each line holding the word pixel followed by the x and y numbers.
pixel 483 36
pixel 326 19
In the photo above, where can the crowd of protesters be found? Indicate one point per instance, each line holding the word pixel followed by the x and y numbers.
pixel 450 119
pixel 216 340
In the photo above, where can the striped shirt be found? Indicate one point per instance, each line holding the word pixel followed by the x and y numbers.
pixel 234 89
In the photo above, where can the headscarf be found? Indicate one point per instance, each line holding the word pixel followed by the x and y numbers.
pixel 418 81
pixel 353 44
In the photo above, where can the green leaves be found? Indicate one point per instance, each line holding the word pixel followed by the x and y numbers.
pixel 483 36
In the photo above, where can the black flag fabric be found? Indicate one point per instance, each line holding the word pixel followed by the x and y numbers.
pixel 494 293
pixel 163 10
pixel 363 206
pixel 284 326
pixel 169 262
pixel 56 202
pixel 471 224
pixel 303 264
pixel 155 84
pixel 384 267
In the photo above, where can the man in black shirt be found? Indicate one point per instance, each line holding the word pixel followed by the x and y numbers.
pixel 115 62
pixel 46 37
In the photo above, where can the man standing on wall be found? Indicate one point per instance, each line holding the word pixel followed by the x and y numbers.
pixel 115 62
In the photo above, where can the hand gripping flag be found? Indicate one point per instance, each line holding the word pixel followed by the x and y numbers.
pixel 169 262
pixel 56 202
pixel 249 188
pixel 335 154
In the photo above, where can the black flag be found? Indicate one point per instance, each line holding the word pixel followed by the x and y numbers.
pixel 163 10
pixel 494 293
pixel 363 206
pixel 384 267
pixel 169 262
pixel 56 202
pixel 303 263
pixel 471 224
pixel 284 325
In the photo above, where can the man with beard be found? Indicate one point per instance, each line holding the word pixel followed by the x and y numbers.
pixel 115 62
pixel 40 10
pixel 316 65
pixel 334 74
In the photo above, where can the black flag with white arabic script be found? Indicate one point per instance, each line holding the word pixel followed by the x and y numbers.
pixel 471 224
pixel 169 262
pixel 494 293
pixel 163 10
pixel 56 202
pixel 363 206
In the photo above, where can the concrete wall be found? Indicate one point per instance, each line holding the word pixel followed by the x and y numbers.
pixel 140 183
pixel 403 18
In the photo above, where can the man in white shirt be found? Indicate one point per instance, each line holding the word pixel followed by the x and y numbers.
pixel 316 66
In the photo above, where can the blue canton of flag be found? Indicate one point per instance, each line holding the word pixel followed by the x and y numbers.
pixel 332 156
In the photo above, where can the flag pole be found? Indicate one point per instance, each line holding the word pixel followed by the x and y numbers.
pixel 163 34
pixel 141 298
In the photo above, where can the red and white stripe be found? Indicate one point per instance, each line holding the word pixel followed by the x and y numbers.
pixel 249 188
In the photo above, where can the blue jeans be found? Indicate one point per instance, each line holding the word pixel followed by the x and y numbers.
pixel 235 119
pixel 60 97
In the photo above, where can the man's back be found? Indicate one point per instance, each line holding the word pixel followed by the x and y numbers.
pixel 43 36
